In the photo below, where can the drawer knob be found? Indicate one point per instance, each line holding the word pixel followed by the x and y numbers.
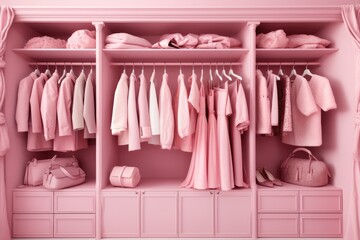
pixel 211 193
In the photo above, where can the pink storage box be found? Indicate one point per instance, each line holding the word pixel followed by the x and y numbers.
pixel 123 176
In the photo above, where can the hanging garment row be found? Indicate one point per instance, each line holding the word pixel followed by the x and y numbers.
pixel 181 122
pixel 57 111
pixel 290 106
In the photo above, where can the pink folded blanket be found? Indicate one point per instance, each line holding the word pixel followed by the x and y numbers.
pixel 45 42
pixel 82 39
pixel 177 40
pixel 123 46
pixel 128 39
pixel 216 41
pixel 306 41
pixel 274 39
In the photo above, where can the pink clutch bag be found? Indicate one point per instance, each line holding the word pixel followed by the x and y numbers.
pixel 35 169
pixel 309 172
pixel 123 176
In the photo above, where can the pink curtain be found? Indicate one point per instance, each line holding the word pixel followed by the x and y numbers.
pixel 6 18
pixel 351 17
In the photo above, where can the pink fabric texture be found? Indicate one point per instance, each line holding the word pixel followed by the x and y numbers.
pixel 123 46
pixel 177 40
pixel 274 39
pixel 45 42
pixel 78 103
pixel 154 112
pixel 89 107
pixel 22 114
pixel 124 40
pixel 133 122
pixel 166 115
pixel 144 116
pixel 309 41
pixel 197 174
pixel 284 99
pixel 223 111
pixel 48 106
pixel 82 39
pixel 274 105
pixel 209 41
pixel 213 161
pixel 263 124
pixel 36 142
pixel 119 121
pixel 35 101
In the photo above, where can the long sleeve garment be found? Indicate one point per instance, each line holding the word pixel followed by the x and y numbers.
pixel 89 113
pixel 166 115
pixel 133 123
pixel 22 115
pixel 35 101
pixel 144 116
pixel 274 105
pixel 48 106
pixel 154 113
pixel 263 124
pixel 119 121
pixel 78 103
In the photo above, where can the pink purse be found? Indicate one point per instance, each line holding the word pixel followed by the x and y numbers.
pixel 309 172
pixel 123 176
pixel 35 169
pixel 58 177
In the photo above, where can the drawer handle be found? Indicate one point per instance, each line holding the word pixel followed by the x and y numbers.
pixel 136 193
pixel 211 193
pixel 218 193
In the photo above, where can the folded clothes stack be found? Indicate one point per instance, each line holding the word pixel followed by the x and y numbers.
pixel 125 41
pixel 279 39
pixel 45 42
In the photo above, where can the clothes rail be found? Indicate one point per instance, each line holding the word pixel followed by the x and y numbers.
pixel 287 63
pixel 213 64
pixel 62 63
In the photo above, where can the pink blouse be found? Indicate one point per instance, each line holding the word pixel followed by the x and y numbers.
pixel 166 115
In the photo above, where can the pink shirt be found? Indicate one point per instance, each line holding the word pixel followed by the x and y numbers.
pixel 166 115
pixel 48 106
pixel 78 103
pixel 23 103
pixel 183 114
pixel 133 123
pixel 35 101
pixel 263 124
pixel 89 107
pixel 64 105
pixel 242 120
pixel 144 116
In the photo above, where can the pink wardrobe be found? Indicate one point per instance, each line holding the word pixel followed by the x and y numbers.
pixel 158 207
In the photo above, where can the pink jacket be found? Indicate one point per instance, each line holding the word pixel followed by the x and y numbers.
pixel 166 115
pixel 78 103
pixel 144 116
pixel 89 107
pixel 35 101
pixel 48 106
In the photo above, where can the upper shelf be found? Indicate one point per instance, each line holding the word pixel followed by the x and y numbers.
pixel 61 55
pixel 288 55
pixel 176 55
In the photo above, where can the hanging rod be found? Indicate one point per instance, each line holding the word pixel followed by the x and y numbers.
pixel 176 64
pixel 287 63
pixel 62 63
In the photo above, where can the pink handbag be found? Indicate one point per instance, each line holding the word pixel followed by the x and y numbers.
pixel 309 172
pixel 35 169
pixel 58 177
pixel 123 176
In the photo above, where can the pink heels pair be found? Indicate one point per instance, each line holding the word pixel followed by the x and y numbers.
pixel 267 179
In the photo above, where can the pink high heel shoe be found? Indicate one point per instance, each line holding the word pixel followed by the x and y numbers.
pixel 262 181
pixel 268 176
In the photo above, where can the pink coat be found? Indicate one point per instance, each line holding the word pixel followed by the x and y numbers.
pixel 166 115
pixel 35 101
pixel 263 124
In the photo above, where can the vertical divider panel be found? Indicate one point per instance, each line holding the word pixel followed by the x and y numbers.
pixel 251 64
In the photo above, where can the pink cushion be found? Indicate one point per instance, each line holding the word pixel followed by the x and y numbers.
pixel 82 39
pixel 274 39
pixel 45 42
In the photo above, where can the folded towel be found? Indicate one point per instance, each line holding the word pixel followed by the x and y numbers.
pixel 127 39
pixel 82 39
pixel 217 41
pixel 274 39
pixel 123 46
pixel 299 40
pixel 45 42
pixel 177 40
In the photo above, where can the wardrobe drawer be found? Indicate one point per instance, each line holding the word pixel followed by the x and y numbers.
pixel 74 225
pixel 74 202
pixel 321 201
pixel 32 202
pixel 321 225
pixel 278 225
pixel 278 202
pixel 33 225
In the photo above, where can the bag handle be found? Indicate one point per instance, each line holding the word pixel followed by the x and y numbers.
pixel 121 173
pixel 311 157
pixel 69 175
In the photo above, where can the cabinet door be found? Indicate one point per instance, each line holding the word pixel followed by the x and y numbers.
pixel 159 214
pixel 196 214
pixel 121 214
pixel 321 225
pixel 232 214
pixel 278 225
pixel 74 202
pixel 74 225
pixel 33 225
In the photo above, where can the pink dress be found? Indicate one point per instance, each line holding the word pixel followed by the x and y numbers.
pixel 133 123
pixel 166 115
pixel 223 110
pixel 238 105
pixel 197 174
pixel 213 161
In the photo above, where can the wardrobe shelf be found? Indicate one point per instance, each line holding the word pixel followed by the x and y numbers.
pixel 289 55
pixel 61 55
pixel 158 184
pixel 86 186
pixel 176 55
pixel 288 187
